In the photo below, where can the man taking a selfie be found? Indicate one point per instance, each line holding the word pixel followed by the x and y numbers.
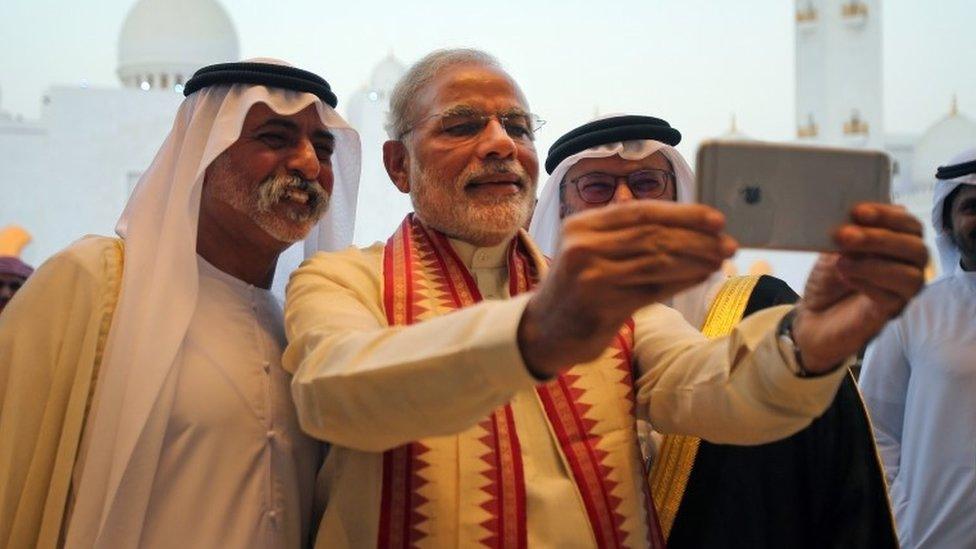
pixel 474 393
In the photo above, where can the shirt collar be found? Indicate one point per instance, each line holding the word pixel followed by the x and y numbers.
pixel 237 285
pixel 474 257
pixel 968 276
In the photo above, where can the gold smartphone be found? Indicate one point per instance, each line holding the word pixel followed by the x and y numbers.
pixel 786 196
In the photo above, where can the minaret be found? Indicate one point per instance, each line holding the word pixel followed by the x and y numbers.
pixel 839 72
pixel 733 133
pixel 381 206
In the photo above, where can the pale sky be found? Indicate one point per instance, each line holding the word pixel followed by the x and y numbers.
pixel 692 62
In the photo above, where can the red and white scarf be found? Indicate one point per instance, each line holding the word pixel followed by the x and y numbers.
pixel 468 489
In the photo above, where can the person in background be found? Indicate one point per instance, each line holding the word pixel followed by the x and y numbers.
pixel 13 274
pixel 919 381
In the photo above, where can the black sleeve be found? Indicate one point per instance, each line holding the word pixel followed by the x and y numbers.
pixel 769 292
pixel 822 487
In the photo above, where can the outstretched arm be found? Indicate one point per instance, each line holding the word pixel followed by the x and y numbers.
pixel 362 384
pixel 615 260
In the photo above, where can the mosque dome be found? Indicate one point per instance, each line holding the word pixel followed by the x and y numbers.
pixel 943 140
pixel 385 76
pixel 386 73
pixel 163 42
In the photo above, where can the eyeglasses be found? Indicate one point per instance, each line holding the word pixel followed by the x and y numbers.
pixel 599 187
pixel 464 124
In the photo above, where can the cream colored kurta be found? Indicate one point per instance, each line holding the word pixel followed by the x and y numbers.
pixel 546 478
pixel 367 387
pixel 235 470
pixel 49 336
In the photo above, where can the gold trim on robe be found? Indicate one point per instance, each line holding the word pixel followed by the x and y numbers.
pixel 676 456
pixel 877 456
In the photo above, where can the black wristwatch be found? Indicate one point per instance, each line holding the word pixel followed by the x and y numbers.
pixel 785 335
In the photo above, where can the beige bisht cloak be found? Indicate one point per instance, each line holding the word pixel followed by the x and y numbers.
pixel 51 341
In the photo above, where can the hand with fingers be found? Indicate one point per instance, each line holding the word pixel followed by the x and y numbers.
pixel 850 295
pixel 611 262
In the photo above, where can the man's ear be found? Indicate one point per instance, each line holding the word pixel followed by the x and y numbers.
pixel 396 160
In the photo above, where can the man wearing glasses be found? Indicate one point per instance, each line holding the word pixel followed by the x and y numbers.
pixel 475 396
pixel 723 495
pixel 603 162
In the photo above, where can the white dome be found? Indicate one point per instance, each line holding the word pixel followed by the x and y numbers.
pixel 386 74
pixel 941 142
pixel 164 41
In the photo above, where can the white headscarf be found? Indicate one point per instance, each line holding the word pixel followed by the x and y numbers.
pixel 137 380
pixel 949 255
pixel 546 224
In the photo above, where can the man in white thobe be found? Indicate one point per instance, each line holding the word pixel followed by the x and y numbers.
pixel 594 141
pixel 142 402
pixel 619 158
pixel 919 382
pixel 476 397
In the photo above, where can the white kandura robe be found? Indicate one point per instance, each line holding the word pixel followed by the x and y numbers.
pixel 919 383
pixel 235 471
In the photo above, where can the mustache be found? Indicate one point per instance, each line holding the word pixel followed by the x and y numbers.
pixel 497 167
pixel 273 190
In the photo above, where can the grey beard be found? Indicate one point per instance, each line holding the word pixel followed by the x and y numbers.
pixel 273 190
pixel 485 225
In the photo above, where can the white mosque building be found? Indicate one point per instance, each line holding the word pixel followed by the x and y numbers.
pixel 839 98
pixel 86 152
pixel 839 95
pixel 381 206
pixel 69 172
